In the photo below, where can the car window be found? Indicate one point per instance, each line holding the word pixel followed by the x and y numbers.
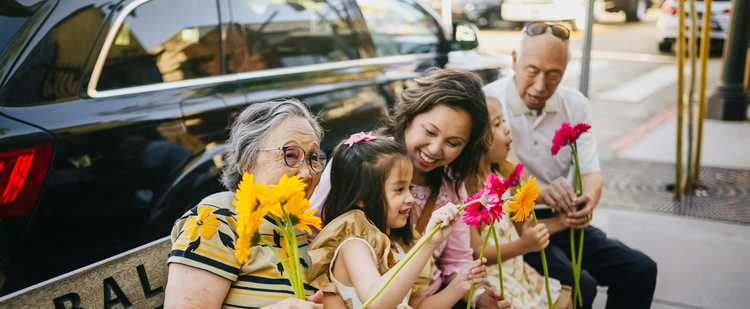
pixel 51 70
pixel 12 17
pixel 164 41
pixel 400 27
pixel 278 34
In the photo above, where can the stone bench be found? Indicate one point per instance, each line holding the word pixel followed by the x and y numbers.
pixel 133 279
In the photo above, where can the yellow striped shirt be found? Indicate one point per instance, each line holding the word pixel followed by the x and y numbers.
pixel 204 238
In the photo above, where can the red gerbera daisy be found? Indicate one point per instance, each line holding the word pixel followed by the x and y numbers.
pixel 577 131
pixel 562 137
pixel 477 213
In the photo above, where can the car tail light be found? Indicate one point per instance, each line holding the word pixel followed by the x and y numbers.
pixel 22 173
pixel 669 10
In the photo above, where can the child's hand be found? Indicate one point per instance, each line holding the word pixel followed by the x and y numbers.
pixel 446 215
pixel 472 273
pixel 534 238
pixel 490 299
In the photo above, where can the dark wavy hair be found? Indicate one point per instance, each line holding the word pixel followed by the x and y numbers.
pixel 358 174
pixel 456 89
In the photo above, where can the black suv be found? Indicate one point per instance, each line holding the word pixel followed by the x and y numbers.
pixel 113 113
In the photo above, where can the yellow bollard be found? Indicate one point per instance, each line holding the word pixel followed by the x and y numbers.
pixel 680 95
pixel 691 94
pixel 705 44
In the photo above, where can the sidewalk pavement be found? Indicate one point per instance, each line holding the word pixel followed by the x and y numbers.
pixel 703 263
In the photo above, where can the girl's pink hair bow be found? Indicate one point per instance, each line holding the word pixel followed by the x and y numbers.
pixel 358 137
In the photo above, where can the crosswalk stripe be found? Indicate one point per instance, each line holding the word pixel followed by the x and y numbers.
pixel 643 86
pixel 573 72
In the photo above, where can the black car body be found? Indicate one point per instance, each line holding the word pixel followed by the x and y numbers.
pixel 113 114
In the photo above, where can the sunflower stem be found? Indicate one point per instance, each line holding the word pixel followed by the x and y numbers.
pixel 287 240
pixel 544 264
pixel 295 251
pixel 499 260
pixel 283 265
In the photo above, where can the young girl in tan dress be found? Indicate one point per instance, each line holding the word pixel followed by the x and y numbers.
pixel 523 284
pixel 367 232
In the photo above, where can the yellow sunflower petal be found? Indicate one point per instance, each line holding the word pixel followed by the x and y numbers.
pixel 245 194
pixel 298 209
pixel 524 200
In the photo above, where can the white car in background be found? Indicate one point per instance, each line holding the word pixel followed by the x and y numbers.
pixel 667 24
pixel 571 11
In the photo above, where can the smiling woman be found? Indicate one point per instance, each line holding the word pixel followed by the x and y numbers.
pixel 443 123
pixel 269 140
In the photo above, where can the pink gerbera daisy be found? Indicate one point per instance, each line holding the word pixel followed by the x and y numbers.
pixel 562 137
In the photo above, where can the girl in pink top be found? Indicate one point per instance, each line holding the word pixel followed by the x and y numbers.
pixel 443 122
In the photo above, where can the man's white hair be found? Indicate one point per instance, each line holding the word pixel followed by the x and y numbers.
pixel 524 37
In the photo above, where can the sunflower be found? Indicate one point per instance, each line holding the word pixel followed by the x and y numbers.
pixel 276 196
pixel 523 202
pixel 250 214
pixel 300 214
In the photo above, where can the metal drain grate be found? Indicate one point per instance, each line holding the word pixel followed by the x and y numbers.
pixel 643 185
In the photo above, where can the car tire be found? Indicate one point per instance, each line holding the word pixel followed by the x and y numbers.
pixel 635 10
pixel 665 47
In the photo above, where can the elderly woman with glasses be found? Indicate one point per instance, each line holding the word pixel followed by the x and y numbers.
pixel 268 140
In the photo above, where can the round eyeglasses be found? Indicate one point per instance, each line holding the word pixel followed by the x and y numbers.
pixel 294 156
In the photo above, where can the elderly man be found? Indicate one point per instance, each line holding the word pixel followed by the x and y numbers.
pixel 535 106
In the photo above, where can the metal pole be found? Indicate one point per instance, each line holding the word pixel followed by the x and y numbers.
pixel 586 58
pixel 446 10
pixel 691 91
pixel 680 95
pixel 730 100
pixel 705 40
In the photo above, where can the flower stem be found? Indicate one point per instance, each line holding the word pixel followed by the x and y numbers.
pixel 295 252
pixel 499 260
pixel 286 269
pixel 546 272
pixel 403 262
pixel 481 255
pixel 574 264
pixel 580 255
pixel 577 261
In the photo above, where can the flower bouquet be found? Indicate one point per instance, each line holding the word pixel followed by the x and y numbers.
pixel 565 136
pixel 284 204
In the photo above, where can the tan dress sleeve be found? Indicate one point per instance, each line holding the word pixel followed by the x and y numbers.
pixel 351 224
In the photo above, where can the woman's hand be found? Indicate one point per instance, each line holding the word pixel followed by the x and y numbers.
pixel 471 273
pixel 446 215
pixel 312 302
pixel 534 238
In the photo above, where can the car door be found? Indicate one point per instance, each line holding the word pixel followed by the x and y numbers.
pixel 126 122
pixel 317 51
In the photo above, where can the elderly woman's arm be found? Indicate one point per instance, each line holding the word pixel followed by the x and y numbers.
pixel 193 288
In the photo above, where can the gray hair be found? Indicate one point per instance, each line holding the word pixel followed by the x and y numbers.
pixel 522 42
pixel 251 128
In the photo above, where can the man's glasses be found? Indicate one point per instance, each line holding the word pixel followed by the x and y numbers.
pixel 539 28
pixel 294 156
